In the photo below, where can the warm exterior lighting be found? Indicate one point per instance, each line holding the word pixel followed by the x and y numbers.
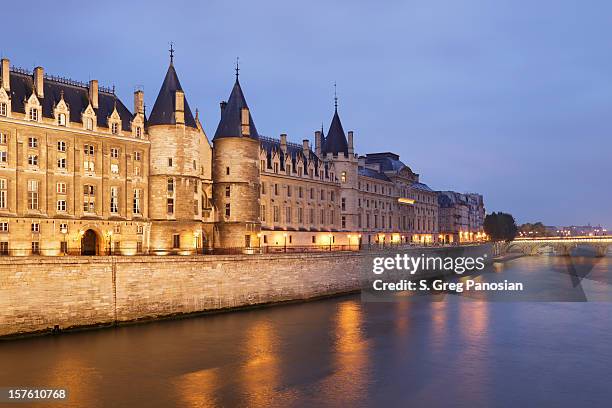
pixel 408 201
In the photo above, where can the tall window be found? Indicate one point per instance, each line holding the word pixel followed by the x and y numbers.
pixel 61 146
pixel 343 204
pixel 176 241
pixel 137 198
pixel 2 138
pixel 32 142
pixel 300 215
pixel 137 156
pixel 138 132
pixel 288 214
pixel 88 161
pixel 89 123
pixel 88 198
pixel 170 186
pixel 33 194
pixel 114 203
pixel 115 128
pixel 3 194
pixel 61 163
pixel 262 212
pixel 3 157
pixel 61 205
pixel 34 114
pixel 170 206
pixel 3 108
pixel 61 188
pixel 61 119
pixel 343 177
pixel 114 152
pixel 276 214
pixel 115 168
pixel 32 160
pixel 227 191
pixel 227 210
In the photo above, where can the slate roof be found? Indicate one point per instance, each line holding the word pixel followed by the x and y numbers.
pixel 421 186
pixel 366 172
pixel 387 161
pixel 163 109
pixel 76 96
pixel 335 142
pixel 230 124
pixel 294 151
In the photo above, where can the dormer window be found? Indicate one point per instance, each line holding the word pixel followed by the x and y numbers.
pixel 3 108
pixel 61 119
pixel 139 132
pixel 115 128
pixel 34 114
pixel 89 124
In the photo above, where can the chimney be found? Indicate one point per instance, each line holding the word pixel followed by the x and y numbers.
pixel 6 74
pixel 351 150
pixel 318 143
pixel 223 104
pixel 93 93
pixel 139 102
pixel 245 122
pixel 179 107
pixel 39 74
pixel 283 142
pixel 306 147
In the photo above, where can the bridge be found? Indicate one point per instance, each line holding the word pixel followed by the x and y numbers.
pixel 560 245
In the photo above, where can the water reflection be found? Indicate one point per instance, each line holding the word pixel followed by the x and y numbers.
pixel 340 352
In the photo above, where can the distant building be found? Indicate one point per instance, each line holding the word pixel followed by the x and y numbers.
pixel 461 217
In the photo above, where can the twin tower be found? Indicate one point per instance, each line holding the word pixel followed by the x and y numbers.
pixel 202 196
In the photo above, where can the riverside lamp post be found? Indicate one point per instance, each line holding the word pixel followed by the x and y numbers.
pixel 110 242
pixel 330 242
pixel 285 236
pixel 64 244
pixel 196 237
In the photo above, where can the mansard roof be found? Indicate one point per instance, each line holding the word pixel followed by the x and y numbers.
pixel 163 109
pixel 388 161
pixel 294 151
pixel 335 142
pixel 231 114
pixel 422 187
pixel 76 96
pixel 371 173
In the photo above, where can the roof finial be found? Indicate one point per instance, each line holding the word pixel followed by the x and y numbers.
pixel 171 52
pixel 335 97
pixel 237 67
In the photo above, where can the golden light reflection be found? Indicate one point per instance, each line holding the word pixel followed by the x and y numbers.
pixel 197 389
pixel 260 372
pixel 350 378
pixel 77 376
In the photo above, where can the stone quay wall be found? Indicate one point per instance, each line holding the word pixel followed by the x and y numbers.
pixel 38 294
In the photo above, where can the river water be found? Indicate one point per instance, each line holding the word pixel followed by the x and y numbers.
pixel 458 351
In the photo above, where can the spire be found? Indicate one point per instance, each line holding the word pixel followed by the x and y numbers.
pixel 171 53
pixel 237 68
pixel 335 97
pixel 335 142
pixel 163 109
pixel 230 124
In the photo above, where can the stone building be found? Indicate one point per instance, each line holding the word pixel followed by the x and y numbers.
pixel 461 217
pixel 80 173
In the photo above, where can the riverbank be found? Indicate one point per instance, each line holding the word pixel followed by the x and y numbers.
pixel 46 295
pixel 508 257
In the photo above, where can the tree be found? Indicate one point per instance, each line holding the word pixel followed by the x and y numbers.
pixel 500 226
pixel 533 230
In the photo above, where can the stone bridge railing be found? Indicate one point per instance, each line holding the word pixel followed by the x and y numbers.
pixel 561 245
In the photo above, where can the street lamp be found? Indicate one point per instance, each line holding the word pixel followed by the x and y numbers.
pixel 64 244
pixel 196 236
pixel 110 242
pixel 330 241
pixel 285 236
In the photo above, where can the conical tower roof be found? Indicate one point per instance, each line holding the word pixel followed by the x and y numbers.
pixel 335 142
pixel 230 124
pixel 163 110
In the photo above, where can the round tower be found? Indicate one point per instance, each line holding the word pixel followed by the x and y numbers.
pixel 235 175
pixel 174 171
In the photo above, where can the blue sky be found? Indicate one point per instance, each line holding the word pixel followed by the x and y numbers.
pixel 511 99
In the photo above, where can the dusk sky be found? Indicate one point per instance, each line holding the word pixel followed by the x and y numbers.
pixel 511 99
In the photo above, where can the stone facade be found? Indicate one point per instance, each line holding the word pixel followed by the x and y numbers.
pixel 80 173
pixel 67 292
pixel 461 217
